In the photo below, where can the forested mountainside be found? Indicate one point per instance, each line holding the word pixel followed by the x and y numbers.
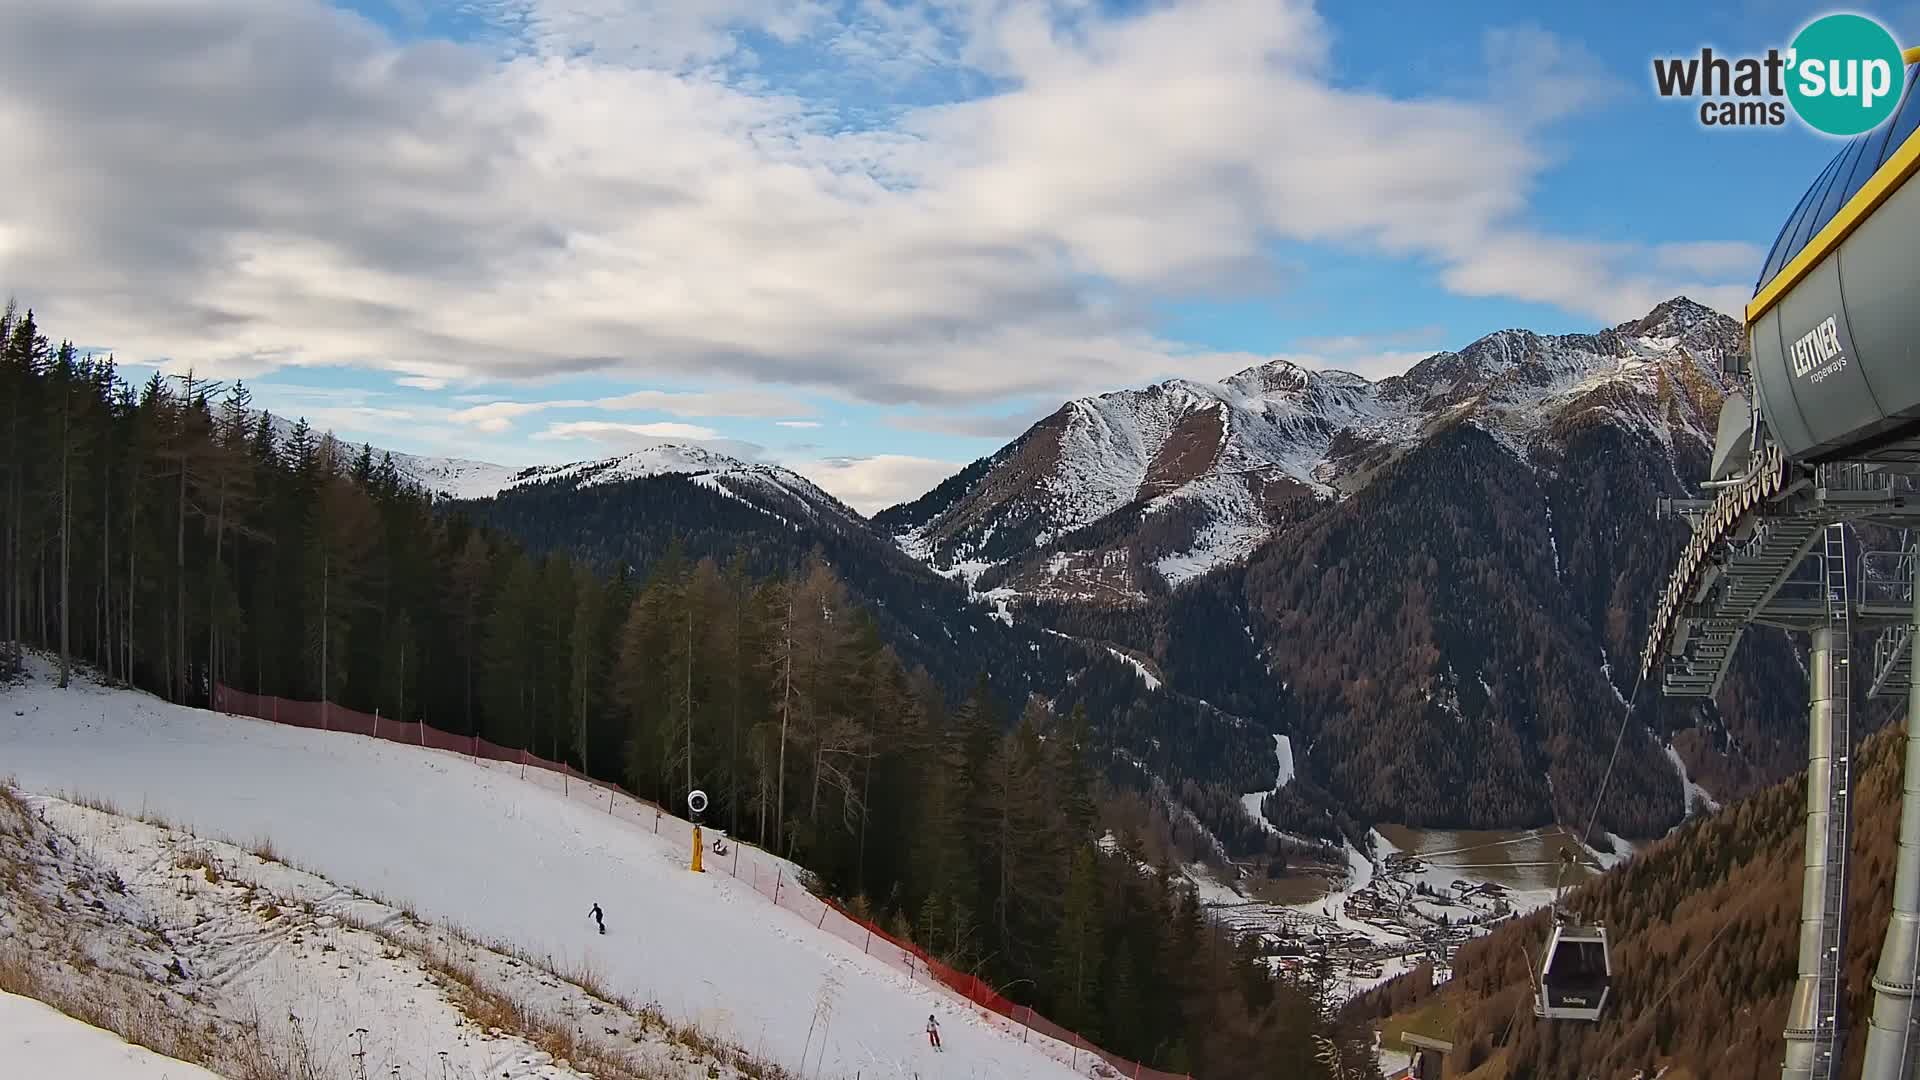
pixel 169 538
pixel 1705 927
pixel 1446 610
pixel 1185 749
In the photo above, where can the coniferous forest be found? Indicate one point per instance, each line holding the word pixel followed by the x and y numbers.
pixel 170 536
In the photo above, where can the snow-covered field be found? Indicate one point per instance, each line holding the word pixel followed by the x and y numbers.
pixel 510 861
pixel 40 1041
pixel 297 975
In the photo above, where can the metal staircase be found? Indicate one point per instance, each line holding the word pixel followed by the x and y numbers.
pixel 1893 647
pixel 1892 661
pixel 1829 1024
pixel 1749 576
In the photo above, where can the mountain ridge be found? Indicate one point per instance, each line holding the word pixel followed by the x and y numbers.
pixel 1227 463
pixel 1255 544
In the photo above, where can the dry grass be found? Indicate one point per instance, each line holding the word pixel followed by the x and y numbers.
pixel 198 858
pixel 491 1010
pixel 93 803
pixel 244 1054
pixel 110 1004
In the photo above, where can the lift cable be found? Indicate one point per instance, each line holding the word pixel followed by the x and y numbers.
pixel 1672 985
pixel 1613 758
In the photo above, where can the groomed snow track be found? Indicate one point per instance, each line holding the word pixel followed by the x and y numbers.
pixel 520 860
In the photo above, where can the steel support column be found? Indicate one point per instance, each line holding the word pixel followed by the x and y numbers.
pixel 1803 1032
pixel 1893 1039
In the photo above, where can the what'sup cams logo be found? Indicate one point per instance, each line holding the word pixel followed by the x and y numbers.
pixel 1842 75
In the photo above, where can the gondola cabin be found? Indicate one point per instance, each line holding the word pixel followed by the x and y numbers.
pixel 1575 975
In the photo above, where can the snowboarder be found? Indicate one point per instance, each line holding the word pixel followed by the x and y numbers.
pixel 598 919
pixel 933 1032
pixel 719 842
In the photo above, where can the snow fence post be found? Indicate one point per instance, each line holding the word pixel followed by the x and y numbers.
pixel 376 721
pixel 776 885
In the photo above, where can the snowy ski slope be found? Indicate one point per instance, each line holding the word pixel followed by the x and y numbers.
pixel 507 859
pixel 41 1041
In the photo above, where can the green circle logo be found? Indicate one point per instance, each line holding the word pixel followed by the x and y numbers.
pixel 1845 74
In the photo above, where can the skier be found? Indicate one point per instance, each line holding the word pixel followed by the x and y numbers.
pixel 719 842
pixel 597 918
pixel 933 1032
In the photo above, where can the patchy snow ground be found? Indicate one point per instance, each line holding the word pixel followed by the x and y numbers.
pixel 1216 546
pixel 296 960
pixel 1696 797
pixel 513 862
pixel 40 1041
pixel 1283 752
pixel 1145 675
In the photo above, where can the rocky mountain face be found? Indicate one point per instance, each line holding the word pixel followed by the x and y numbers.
pixel 1118 497
pixel 1435 583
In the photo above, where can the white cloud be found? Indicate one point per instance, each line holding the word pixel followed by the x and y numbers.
pixel 498 416
pixel 871 484
pixel 495 416
pixel 602 429
pixel 648 209
pixel 421 382
pixel 1597 279
pixel 1711 259
pixel 1540 77
pixel 798 423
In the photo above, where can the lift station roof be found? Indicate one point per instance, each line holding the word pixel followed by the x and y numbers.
pixel 1834 324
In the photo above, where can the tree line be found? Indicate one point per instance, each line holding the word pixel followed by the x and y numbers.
pixel 173 537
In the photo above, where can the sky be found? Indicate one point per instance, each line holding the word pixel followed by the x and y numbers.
pixel 870 240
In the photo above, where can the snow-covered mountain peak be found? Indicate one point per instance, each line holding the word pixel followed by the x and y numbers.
pixel 771 488
pixel 1219 466
pixel 1272 377
pixel 782 491
pixel 1675 318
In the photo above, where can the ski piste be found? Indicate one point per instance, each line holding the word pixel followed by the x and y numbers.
pixel 394 818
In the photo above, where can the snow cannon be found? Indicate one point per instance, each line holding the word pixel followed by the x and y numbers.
pixel 697 805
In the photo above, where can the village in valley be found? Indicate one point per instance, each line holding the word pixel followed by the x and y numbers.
pixel 1392 911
